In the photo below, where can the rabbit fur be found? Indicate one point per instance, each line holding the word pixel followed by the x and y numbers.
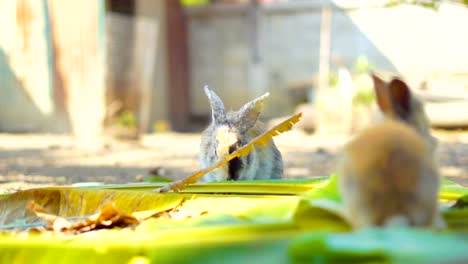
pixel 388 173
pixel 230 130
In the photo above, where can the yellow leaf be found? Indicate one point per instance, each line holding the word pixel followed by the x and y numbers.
pixel 79 203
pixel 261 140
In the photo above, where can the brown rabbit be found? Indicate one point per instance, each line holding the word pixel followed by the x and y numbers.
pixel 230 130
pixel 388 173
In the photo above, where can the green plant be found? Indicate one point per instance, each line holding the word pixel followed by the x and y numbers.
pixel 127 119
pixel 364 97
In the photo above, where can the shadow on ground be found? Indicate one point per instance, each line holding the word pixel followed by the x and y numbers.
pixel 42 160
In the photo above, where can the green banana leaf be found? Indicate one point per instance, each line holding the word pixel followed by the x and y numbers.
pixel 238 227
pixel 391 245
pixel 269 187
pixel 287 221
pixel 451 191
pixel 328 188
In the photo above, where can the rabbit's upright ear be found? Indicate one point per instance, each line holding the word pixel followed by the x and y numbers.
pixel 247 116
pixel 218 114
pixel 382 94
pixel 400 96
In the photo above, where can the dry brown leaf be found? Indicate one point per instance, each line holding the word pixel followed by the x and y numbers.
pixel 75 204
pixel 183 214
pixel 56 223
pixel 143 215
pixel 109 216
pixel 261 140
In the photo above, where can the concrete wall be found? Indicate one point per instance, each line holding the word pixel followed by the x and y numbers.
pixel 159 106
pixel 137 60
pixel 416 42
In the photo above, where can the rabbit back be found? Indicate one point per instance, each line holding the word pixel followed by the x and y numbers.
pixel 387 172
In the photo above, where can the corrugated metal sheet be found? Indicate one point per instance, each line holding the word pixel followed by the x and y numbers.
pixel 26 90
pixel 78 33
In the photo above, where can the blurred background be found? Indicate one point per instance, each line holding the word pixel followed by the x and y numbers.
pixel 111 91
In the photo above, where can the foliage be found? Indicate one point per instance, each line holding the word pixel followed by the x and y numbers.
pixel 364 97
pixel 431 4
pixel 362 65
pixel 157 178
pixel 127 119
pixel 392 245
pixel 189 3
pixel 247 223
pixel 161 126
pixel 364 92
pixel 333 80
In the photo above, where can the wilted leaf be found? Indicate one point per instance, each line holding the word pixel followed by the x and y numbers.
pixel 55 222
pixel 260 140
pixel 107 217
pixel 78 203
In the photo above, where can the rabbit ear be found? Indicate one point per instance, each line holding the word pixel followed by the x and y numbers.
pixel 382 95
pixel 400 95
pixel 218 113
pixel 247 116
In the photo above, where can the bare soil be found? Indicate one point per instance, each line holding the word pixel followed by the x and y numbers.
pixel 28 161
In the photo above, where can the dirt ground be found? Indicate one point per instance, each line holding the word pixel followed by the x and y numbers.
pixel 28 161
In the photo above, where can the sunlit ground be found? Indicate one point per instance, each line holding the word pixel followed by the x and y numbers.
pixel 42 160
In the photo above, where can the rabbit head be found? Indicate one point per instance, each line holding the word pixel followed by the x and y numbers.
pixel 396 101
pixel 230 130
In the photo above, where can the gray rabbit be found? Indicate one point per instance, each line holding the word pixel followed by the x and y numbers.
pixel 230 130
